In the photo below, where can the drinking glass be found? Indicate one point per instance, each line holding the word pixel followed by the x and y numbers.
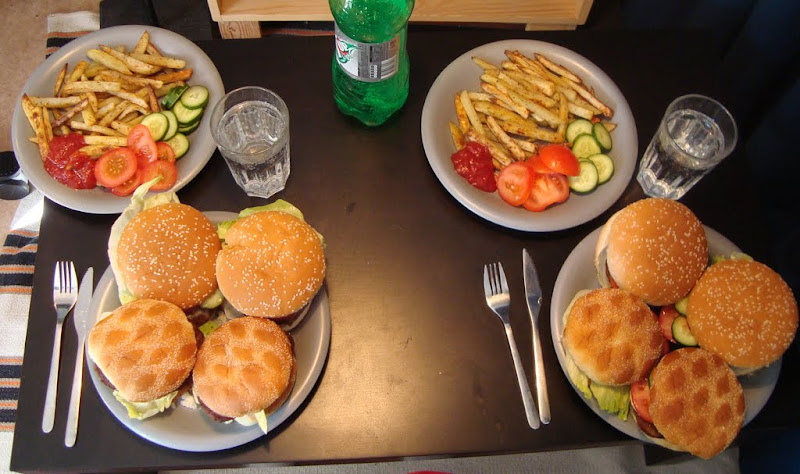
pixel 695 134
pixel 250 126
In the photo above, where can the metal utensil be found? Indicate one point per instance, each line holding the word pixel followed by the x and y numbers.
pixel 498 299
pixel 65 293
pixel 533 296
pixel 83 322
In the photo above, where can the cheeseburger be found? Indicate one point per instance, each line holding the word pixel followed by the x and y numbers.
pixel 654 248
pixel 145 351
pixel 743 312
pixel 272 266
pixel 612 339
pixel 696 402
pixel 245 370
pixel 167 252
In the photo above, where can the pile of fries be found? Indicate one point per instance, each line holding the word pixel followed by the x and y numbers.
pixel 523 102
pixel 103 98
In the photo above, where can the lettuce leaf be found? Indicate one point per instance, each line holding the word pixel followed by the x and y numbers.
pixel 142 410
pixel 259 417
pixel 614 400
pixel 278 205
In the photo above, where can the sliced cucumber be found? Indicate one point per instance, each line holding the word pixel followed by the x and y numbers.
pixel 681 304
pixel 604 165
pixel 172 96
pixel 179 144
pixel 576 128
pixel 157 123
pixel 586 180
pixel 186 130
pixel 681 332
pixel 602 136
pixel 195 97
pixel 173 124
pixel 185 115
pixel 585 146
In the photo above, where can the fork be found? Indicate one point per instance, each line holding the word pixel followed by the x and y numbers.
pixel 498 299
pixel 65 294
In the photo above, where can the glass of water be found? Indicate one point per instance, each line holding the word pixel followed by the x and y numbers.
pixel 695 134
pixel 251 128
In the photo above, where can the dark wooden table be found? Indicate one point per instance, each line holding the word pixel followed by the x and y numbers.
pixel 418 366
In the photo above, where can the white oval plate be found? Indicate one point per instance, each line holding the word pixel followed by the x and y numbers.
pixel 41 82
pixel 464 74
pixel 186 429
pixel 578 273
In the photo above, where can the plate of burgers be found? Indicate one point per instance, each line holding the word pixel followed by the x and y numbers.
pixel 182 353
pixel 667 331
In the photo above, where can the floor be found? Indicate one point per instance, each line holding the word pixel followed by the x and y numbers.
pixel 23 27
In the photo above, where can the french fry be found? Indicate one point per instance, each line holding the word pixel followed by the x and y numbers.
pixel 141 45
pixel 95 151
pixel 505 99
pixel 530 147
pixel 151 49
pixel 60 80
pixel 55 102
pixel 529 130
pixel 541 112
pixel 497 112
pixel 68 114
pixel 132 63
pixel 557 68
pixel 34 115
pixel 182 75
pixel 117 140
pixel 512 147
pixel 153 100
pixel 456 135
pixel 563 115
pixel 469 109
pixel 82 87
pixel 79 70
pixel 93 128
pixel 162 61
pixel 583 92
pixel 112 114
pixel 501 159
pixel 461 114
pixel 132 98
pixel 48 127
pixel 108 61
pixel 164 89
pixel 88 116
pixel 94 69
pixel 485 65
pixel 122 127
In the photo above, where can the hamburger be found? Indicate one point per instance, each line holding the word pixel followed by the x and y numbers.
pixel 696 402
pixel 167 252
pixel 743 312
pixel 271 266
pixel 612 339
pixel 145 351
pixel 654 248
pixel 245 370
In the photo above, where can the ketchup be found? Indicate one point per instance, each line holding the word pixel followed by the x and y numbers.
pixel 474 163
pixel 67 165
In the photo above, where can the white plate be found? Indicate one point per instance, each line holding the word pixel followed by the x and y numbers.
pixel 192 430
pixel 41 82
pixel 464 74
pixel 578 273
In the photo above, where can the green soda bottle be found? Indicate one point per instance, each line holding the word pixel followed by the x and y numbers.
pixel 370 62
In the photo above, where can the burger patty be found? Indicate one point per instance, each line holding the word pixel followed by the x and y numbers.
pixel 214 416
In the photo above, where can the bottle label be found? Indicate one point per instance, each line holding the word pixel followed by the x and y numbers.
pixel 368 62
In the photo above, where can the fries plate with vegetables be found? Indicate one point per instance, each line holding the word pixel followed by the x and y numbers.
pixel 553 130
pixel 103 85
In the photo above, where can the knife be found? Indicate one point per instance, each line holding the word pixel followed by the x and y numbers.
pixel 533 296
pixel 83 322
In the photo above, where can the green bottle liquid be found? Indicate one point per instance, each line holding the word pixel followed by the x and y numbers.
pixel 370 62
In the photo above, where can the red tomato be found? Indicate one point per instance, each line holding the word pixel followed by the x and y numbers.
pixel 514 183
pixel 560 159
pixel 666 317
pixel 128 186
pixel 165 152
pixel 168 171
pixel 640 399
pixel 115 167
pixel 538 165
pixel 547 189
pixel 142 144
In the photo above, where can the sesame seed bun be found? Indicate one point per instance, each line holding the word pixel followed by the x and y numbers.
pixel 743 312
pixel 696 401
pixel 168 252
pixel 146 349
pixel 612 336
pixel 245 366
pixel 272 265
pixel 654 248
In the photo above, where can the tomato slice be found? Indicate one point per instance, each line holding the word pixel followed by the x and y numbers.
pixel 143 145
pixel 165 152
pixel 640 399
pixel 560 159
pixel 666 317
pixel 514 183
pixel 538 165
pixel 547 189
pixel 129 186
pixel 168 171
pixel 115 167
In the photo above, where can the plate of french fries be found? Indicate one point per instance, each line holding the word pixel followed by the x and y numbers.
pixel 101 85
pixel 514 97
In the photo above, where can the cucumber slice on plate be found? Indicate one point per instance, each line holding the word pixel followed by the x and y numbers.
pixel 586 180
pixel 173 124
pixel 681 332
pixel 157 123
pixel 576 128
pixel 179 144
pixel 186 116
pixel 187 129
pixel 604 165
pixel 602 136
pixel 195 97
pixel 585 145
